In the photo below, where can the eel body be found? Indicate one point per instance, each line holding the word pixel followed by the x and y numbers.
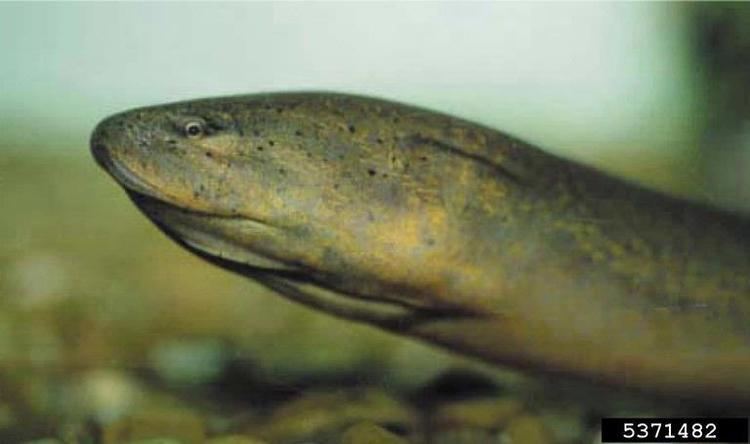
pixel 441 229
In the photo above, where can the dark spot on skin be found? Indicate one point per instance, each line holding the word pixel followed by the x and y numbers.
pixel 352 129
pixel 259 148
pixel 371 172
pixel 298 133
pixel 271 143
pixel 209 154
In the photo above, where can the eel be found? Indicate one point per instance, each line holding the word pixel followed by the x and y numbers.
pixel 444 230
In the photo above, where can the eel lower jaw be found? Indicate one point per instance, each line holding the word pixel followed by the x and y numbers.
pixel 299 286
pixel 292 281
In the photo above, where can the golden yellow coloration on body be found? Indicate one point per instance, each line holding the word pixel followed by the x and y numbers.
pixel 441 229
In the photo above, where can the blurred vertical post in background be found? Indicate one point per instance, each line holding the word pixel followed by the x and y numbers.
pixel 721 43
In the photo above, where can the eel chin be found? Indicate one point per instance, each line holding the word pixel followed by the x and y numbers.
pixel 207 236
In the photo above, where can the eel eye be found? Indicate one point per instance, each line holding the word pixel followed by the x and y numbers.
pixel 193 129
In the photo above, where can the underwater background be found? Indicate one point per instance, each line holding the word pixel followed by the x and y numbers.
pixel 111 333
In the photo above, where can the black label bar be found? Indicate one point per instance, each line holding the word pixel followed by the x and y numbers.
pixel 697 430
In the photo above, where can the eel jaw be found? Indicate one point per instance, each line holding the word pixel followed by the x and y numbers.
pixel 289 280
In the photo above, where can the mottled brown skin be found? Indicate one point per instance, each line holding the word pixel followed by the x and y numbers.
pixel 438 228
